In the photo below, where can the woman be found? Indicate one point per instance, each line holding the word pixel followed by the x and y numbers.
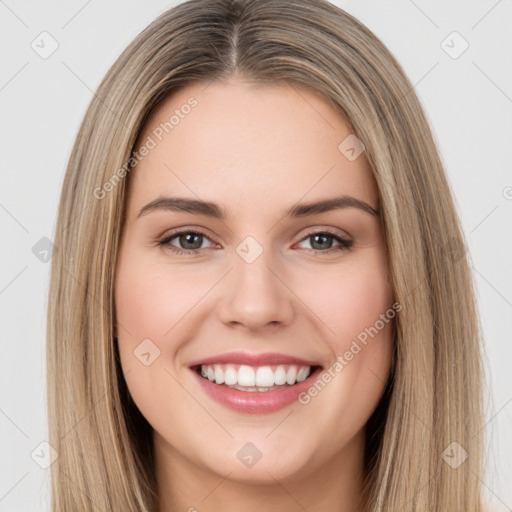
pixel 260 367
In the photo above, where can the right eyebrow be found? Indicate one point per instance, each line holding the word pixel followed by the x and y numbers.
pixel 183 204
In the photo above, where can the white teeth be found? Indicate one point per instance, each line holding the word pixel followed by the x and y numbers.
pixel 280 375
pixel 230 376
pixel 291 375
pixel 302 374
pixel 264 377
pixel 249 378
pixel 219 374
pixel 246 376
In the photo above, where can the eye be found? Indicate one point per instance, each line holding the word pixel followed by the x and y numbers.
pixel 191 242
pixel 321 242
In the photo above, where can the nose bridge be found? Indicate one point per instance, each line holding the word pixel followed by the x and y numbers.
pixel 255 296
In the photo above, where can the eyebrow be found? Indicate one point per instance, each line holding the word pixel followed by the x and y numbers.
pixel 199 207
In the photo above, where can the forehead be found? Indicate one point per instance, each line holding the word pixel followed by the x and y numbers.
pixel 243 143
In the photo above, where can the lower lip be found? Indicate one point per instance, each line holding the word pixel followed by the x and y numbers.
pixel 255 402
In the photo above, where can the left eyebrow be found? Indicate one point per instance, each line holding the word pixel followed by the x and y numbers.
pixel 199 207
pixel 325 205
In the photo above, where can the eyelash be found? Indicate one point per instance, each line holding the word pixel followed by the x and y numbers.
pixel 344 244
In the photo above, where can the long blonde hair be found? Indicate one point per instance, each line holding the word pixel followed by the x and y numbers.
pixel 434 394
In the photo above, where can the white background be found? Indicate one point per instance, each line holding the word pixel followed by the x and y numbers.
pixel 468 101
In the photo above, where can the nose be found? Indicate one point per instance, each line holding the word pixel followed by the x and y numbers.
pixel 256 297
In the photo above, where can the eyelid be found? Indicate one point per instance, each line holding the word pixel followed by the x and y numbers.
pixel 186 229
pixel 332 231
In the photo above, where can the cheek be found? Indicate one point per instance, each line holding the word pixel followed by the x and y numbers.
pixel 142 301
pixel 350 300
pixel 155 302
pixel 361 350
pixel 355 306
pixel 148 306
pixel 152 299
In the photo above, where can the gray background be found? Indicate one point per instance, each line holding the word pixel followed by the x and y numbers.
pixel 468 100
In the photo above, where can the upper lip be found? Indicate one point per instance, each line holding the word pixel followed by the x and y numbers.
pixel 246 358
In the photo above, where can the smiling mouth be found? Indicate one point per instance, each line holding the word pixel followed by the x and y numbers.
pixel 256 378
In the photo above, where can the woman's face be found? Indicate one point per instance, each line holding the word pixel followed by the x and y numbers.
pixel 263 295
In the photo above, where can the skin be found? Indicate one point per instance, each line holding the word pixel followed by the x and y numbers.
pixel 256 150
